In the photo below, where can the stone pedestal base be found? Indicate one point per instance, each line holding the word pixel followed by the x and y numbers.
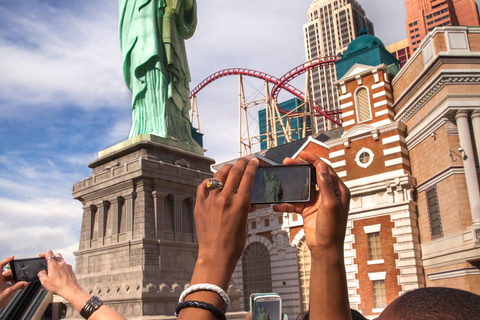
pixel 138 245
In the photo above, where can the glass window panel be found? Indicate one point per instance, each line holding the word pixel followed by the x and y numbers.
pixel 434 212
pixel 363 106
pixel 374 246
pixel 379 294
pixel 256 271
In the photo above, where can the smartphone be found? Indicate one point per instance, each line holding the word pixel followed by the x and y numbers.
pixel 27 269
pixel 284 183
pixel 266 306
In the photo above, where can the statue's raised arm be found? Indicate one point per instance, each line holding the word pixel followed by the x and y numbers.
pixel 155 67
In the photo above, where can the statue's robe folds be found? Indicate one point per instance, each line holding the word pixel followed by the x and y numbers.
pixel 152 34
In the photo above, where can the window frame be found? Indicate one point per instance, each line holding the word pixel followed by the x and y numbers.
pixel 429 206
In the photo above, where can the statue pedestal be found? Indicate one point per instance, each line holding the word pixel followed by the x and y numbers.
pixel 138 245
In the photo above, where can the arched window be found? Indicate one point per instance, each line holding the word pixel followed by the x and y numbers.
pixel 363 105
pixel 303 263
pixel 257 273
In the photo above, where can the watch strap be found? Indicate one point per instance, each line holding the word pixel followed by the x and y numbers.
pixel 90 307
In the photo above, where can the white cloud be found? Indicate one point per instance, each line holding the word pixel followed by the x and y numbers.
pixel 30 227
pixel 59 57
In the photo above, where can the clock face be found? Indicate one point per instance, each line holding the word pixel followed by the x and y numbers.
pixel 364 158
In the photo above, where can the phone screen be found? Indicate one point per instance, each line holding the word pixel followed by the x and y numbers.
pixel 283 183
pixel 267 308
pixel 27 269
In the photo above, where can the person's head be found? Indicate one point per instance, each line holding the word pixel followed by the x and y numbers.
pixel 433 303
pixel 355 315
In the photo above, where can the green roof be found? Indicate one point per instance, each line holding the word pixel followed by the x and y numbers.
pixel 363 42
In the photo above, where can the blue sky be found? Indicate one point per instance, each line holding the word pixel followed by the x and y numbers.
pixel 63 99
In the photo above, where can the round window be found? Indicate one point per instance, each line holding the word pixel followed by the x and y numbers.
pixel 364 158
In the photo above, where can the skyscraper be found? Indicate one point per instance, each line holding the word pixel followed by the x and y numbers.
pixel 332 25
pixel 424 15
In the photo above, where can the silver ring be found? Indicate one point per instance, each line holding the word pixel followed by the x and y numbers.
pixel 41 274
pixel 213 184
pixel 52 257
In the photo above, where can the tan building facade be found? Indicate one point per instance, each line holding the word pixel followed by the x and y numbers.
pixel 438 99
pixel 408 151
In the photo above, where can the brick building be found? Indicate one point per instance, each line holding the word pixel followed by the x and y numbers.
pixel 409 152
pixel 424 15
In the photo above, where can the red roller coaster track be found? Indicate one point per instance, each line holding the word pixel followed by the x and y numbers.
pixel 278 84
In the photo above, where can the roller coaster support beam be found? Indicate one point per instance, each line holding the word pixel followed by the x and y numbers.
pixel 194 113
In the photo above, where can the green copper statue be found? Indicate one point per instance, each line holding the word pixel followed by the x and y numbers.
pixel 152 34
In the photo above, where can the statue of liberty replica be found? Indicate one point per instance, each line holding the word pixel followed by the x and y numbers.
pixel 138 245
pixel 152 40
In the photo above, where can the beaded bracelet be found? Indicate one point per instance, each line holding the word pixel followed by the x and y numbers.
pixel 201 305
pixel 206 287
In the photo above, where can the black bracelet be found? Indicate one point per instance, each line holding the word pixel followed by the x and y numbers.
pixel 202 305
pixel 90 307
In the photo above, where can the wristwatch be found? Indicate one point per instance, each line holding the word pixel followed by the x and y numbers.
pixel 90 307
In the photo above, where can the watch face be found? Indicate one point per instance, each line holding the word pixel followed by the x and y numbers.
pixel 96 302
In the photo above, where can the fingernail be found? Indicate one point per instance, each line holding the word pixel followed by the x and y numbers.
pixel 255 159
pixel 323 167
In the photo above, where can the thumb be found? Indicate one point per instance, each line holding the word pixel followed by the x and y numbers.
pixel 249 316
pixel 17 286
pixel 324 180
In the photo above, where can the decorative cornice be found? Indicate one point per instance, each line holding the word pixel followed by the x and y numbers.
pixel 453 273
pixel 440 177
pixel 440 81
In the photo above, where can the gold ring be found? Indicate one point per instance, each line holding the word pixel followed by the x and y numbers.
pixel 213 184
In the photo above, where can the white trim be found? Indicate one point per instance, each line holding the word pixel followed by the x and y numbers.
pixel 361 182
pixel 349 123
pixel 373 228
pixel 382 103
pixel 342 174
pixel 379 94
pixel 393 150
pixel 453 274
pixel 377 275
pixel 381 123
pixel 345 96
pixel 379 85
pixel 394 162
pixel 372 262
pixel 393 139
pixel 347 114
pixel 309 140
pixel 377 310
pixel 346 105
pixel 339 164
pixel 383 112
pixel 336 154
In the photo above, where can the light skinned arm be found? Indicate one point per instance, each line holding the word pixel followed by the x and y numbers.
pixel 325 220
pixel 7 287
pixel 61 280
pixel 221 226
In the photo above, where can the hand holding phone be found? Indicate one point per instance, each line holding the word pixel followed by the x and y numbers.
pixel 7 289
